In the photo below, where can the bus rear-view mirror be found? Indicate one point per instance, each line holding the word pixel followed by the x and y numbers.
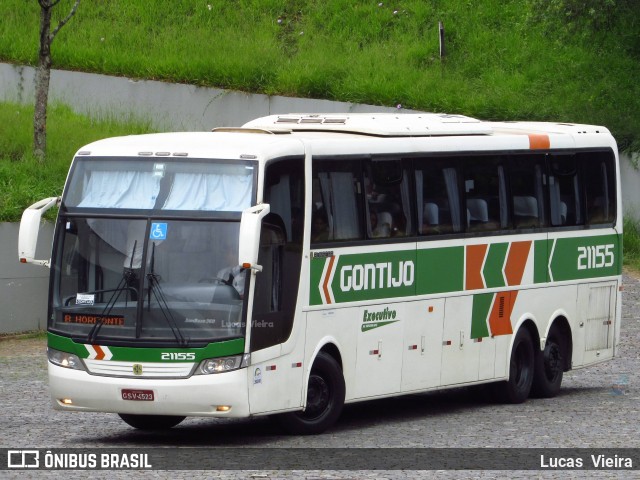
pixel 30 228
pixel 250 226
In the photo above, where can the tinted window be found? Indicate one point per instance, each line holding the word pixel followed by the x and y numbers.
pixel 527 191
pixel 388 199
pixel 599 187
pixel 336 211
pixel 564 191
pixel 485 195
pixel 438 197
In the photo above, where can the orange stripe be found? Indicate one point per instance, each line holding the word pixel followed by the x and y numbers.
pixel 475 257
pixel 100 353
pixel 539 141
pixel 500 316
pixel 325 284
pixel 516 262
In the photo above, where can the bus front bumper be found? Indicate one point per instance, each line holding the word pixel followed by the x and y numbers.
pixel 217 395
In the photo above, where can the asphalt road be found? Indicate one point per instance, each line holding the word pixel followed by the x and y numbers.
pixel 598 407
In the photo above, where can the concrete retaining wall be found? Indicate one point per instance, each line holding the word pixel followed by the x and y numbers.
pixel 167 106
pixel 23 288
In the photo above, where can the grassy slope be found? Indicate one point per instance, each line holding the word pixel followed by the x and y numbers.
pixel 22 179
pixel 507 59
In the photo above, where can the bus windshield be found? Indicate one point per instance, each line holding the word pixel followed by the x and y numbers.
pixel 159 184
pixel 145 280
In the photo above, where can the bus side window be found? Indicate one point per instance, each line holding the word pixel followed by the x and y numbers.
pixel 388 204
pixel 528 191
pixel 564 191
pixel 336 198
pixel 485 194
pixel 438 197
pixel 599 187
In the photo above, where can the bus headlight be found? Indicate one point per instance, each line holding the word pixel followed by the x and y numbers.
pixel 223 364
pixel 64 359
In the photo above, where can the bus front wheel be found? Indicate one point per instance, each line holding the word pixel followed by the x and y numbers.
pixel 521 368
pixel 151 422
pixel 549 366
pixel 325 399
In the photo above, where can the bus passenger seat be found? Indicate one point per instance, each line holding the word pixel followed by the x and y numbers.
pixel 563 213
pixel 431 214
pixel 478 210
pixel 525 209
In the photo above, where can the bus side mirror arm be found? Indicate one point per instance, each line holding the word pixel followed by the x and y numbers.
pixel 29 229
pixel 250 226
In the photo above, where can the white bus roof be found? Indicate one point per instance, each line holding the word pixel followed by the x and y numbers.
pixel 330 134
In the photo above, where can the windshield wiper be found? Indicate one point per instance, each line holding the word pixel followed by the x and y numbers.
pixel 156 289
pixel 128 277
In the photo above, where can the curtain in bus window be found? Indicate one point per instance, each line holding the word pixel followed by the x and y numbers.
pixel 419 196
pixel 201 191
pixel 539 191
pixel 605 199
pixel 406 202
pixel 502 193
pixel 109 189
pixel 558 208
pixel 576 198
pixel 451 181
pixel 342 211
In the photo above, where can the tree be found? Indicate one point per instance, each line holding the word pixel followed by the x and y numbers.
pixel 43 73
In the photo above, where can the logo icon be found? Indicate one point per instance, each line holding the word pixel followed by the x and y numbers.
pixel 137 369
pixel 158 231
pixel 23 459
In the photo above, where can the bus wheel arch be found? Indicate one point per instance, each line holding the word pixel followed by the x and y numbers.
pixel 325 396
pixel 517 387
pixel 553 360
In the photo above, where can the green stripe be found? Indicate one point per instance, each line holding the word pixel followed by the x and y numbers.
pixel 541 261
pixel 479 314
pixel 586 257
pixel 143 354
pixel 440 270
pixel 492 270
pixel 317 265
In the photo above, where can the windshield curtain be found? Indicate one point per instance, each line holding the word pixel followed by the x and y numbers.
pixel 160 184
pixel 171 281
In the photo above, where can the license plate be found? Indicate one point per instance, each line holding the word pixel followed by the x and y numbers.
pixel 138 395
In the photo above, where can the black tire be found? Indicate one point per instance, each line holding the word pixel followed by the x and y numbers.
pixel 151 422
pixel 549 366
pixel 325 399
pixel 521 368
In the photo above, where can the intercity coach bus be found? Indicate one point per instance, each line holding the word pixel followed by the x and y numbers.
pixel 302 262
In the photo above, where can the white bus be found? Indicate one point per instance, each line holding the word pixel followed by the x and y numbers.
pixel 302 262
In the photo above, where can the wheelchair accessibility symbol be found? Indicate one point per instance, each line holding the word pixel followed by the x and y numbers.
pixel 158 231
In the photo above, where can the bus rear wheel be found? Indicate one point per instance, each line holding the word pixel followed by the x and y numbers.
pixel 151 422
pixel 521 369
pixel 549 366
pixel 325 399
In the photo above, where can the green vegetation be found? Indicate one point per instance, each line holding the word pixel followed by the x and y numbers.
pixel 564 60
pixel 631 241
pixel 23 180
